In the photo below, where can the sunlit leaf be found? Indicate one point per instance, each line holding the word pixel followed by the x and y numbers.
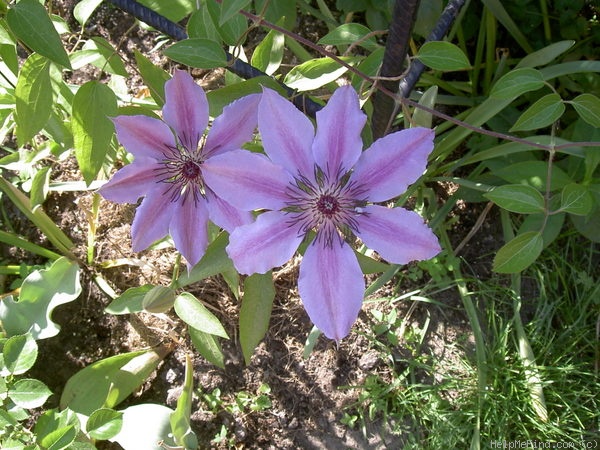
pixel 517 254
pixel 268 54
pixel 196 315
pixel 29 393
pixel 154 77
pixel 19 353
pixel 33 96
pixel 109 381
pixel 231 30
pixel 41 292
pixel 93 105
pixel 84 10
pixel 104 423
pixel 230 8
pixel 144 426
pixel 534 173
pixel 316 73
pixel 39 187
pixel 181 418
pixel 131 301
pixel 30 22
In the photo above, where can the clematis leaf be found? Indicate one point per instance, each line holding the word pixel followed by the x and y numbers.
pixel 255 311
pixel 200 53
pixel 519 253
pixel 196 315
pixel 30 22
pixel 542 113
pixel 440 55
pixel 348 34
pixel 588 108
pixel 104 423
pixel 208 345
pixel 576 199
pixel 93 105
pixel 519 198
pixel 517 82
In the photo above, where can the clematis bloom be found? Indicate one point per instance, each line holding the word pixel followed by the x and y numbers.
pixel 167 169
pixel 324 183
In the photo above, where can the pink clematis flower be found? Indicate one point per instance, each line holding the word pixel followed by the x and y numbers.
pixel 168 167
pixel 324 183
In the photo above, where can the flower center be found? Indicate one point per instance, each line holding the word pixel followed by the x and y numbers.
pixel 328 205
pixel 190 170
pixel 182 170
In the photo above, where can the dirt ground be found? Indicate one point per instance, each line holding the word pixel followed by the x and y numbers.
pixel 308 396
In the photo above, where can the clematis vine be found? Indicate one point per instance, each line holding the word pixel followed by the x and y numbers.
pixel 323 184
pixel 167 169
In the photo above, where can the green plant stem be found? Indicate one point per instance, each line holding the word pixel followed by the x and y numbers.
pixel 480 348
pixel 532 376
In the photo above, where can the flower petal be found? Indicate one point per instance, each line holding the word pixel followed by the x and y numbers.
pixel 234 127
pixel 144 136
pixel 398 235
pixel 189 229
pixel 331 286
pixel 287 134
pixel 224 214
pixel 185 109
pixel 152 218
pixel 247 180
pixel 269 242
pixel 338 144
pixel 393 162
pixel 131 182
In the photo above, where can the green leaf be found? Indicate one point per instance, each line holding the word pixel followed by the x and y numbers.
pixel 208 346
pixel 517 254
pixel 517 82
pixel 108 382
pixel 348 34
pixel 20 353
pixel 93 105
pixel 30 22
pixel 423 118
pixel 39 187
pixel 278 9
pixel 196 315
pixel 519 198
pixel 154 77
pixel 144 426
pixel 200 25
pixel 104 423
pixel 60 438
pixel 545 55
pixel 200 53
pixel 159 299
pixel 131 301
pixel 498 10
pixel 588 108
pixel 181 418
pixel 534 173
pixel 542 113
pixel 41 292
pixel 442 55
pixel 255 311
pixel 229 8
pixel 231 30
pixel 551 226
pixel 576 199
pixel 29 393
pixel 214 261
pixel 84 10
pixel 104 56
pixel 33 97
pixel 268 54
pixel 316 73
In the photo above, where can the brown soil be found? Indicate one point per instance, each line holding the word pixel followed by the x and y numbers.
pixel 307 395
